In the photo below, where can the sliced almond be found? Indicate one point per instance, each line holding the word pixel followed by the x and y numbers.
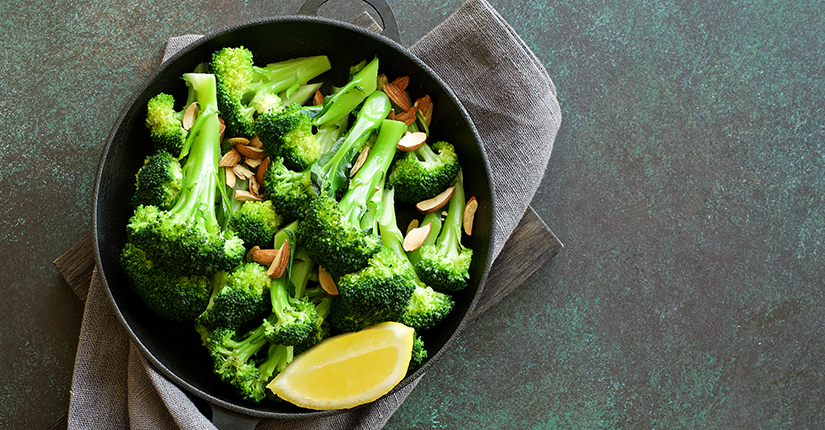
pixel 279 262
pixel 254 188
pixel 416 237
pixel 425 107
pixel 190 115
pixel 222 127
pixel 242 171
pixel 259 174
pixel 263 256
pixel 250 255
pixel 256 142
pixel 362 157
pixel 397 95
pixel 401 82
pixel 246 196
pixel 413 224
pixel 250 151
pixel 253 162
pixel 391 115
pixel 326 281
pixel 382 79
pixel 318 99
pixel 238 141
pixel 231 179
pixel 469 215
pixel 407 117
pixel 434 204
pixel 412 141
pixel 230 159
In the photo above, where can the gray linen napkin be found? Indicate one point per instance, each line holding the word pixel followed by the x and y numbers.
pixel 115 388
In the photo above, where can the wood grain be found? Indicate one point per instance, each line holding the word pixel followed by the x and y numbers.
pixel 76 266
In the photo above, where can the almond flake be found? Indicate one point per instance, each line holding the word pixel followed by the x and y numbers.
pixel 253 187
pixel 416 237
pixel 326 281
pixel 253 162
pixel 255 142
pixel 407 117
pixel 250 255
pixel 432 205
pixel 246 196
pixel 238 141
pixel 391 115
pixel 242 171
pixel 362 157
pixel 412 141
pixel 425 107
pixel 397 95
pixel 259 174
pixel 222 127
pixel 263 256
pixel 413 224
pixel 230 177
pixel 230 159
pixel 279 263
pixel 190 115
pixel 382 79
pixel 318 100
pixel 469 215
pixel 401 82
pixel 250 151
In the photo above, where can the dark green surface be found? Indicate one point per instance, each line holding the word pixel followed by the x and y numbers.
pixel 686 183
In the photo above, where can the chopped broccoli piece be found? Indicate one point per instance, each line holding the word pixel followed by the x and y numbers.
pixel 287 133
pixel 165 124
pixel 159 181
pixel 256 223
pixel 419 353
pixel 238 297
pixel 424 173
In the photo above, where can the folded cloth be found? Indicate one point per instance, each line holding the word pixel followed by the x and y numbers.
pixel 517 115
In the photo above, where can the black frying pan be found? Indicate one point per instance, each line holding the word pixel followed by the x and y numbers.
pixel 175 349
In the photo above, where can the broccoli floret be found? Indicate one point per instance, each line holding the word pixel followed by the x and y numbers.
pixel 238 297
pixel 174 297
pixel 434 220
pixel 322 308
pixel 336 235
pixel 245 90
pixel 287 133
pixel 187 238
pixel 445 265
pixel 256 223
pixel 165 124
pixel 290 192
pixel 377 293
pixel 345 99
pixel 419 353
pixel 252 381
pixel 426 307
pixel 423 173
pixel 158 182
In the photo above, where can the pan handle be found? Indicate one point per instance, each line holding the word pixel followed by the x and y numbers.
pixel 390 25
pixel 224 419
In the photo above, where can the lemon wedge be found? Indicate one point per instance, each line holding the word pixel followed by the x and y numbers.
pixel 347 370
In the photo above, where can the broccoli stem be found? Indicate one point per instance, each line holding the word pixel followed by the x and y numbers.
pixel 450 238
pixel 426 154
pixel 343 101
pixel 370 177
pixel 280 76
pixel 249 346
pixel 279 356
pixel 434 220
pixel 196 203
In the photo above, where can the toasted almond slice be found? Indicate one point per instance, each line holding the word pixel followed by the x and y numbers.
pixel 318 99
pixel 255 142
pixel 431 205
pixel 326 281
pixel 230 159
pixel 469 215
pixel 397 95
pixel 382 79
pixel 246 196
pixel 231 179
pixel 253 162
pixel 254 188
pixel 362 157
pixel 238 141
pixel 416 237
pixel 250 255
pixel 401 82
pixel 190 115
pixel 413 224
pixel 222 127
pixel 250 151
pixel 242 171
pixel 412 141
pixel 425 106
pixel 279 263
pixel 259 174
pixel 391 115
pixel 264 256
pixel 407 117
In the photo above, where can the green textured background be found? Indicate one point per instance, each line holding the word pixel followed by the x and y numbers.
pixel 686 182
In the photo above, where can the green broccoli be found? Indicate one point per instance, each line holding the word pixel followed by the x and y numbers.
pixel 445 265
pixel 324 330
pixel 419 353
pixel 165 124
pixel 174 297
pixel 291 192
pixel 435 222
pixel 238 297
pixel 423 173
pixel 158 182
pixel 426 307
pixel 256 223
pixel 187 238
pixel 333 233
pixel 245 90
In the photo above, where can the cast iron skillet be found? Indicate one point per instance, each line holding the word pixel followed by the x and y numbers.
pixel 175 349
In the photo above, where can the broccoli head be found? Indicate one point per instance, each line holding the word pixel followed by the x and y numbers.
pixel 159 181
pixel 423 173
pixel 419 353
pixel 238 297
pixel 290 192
pixel 165 124
pixel 256 223
pixel 287 133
